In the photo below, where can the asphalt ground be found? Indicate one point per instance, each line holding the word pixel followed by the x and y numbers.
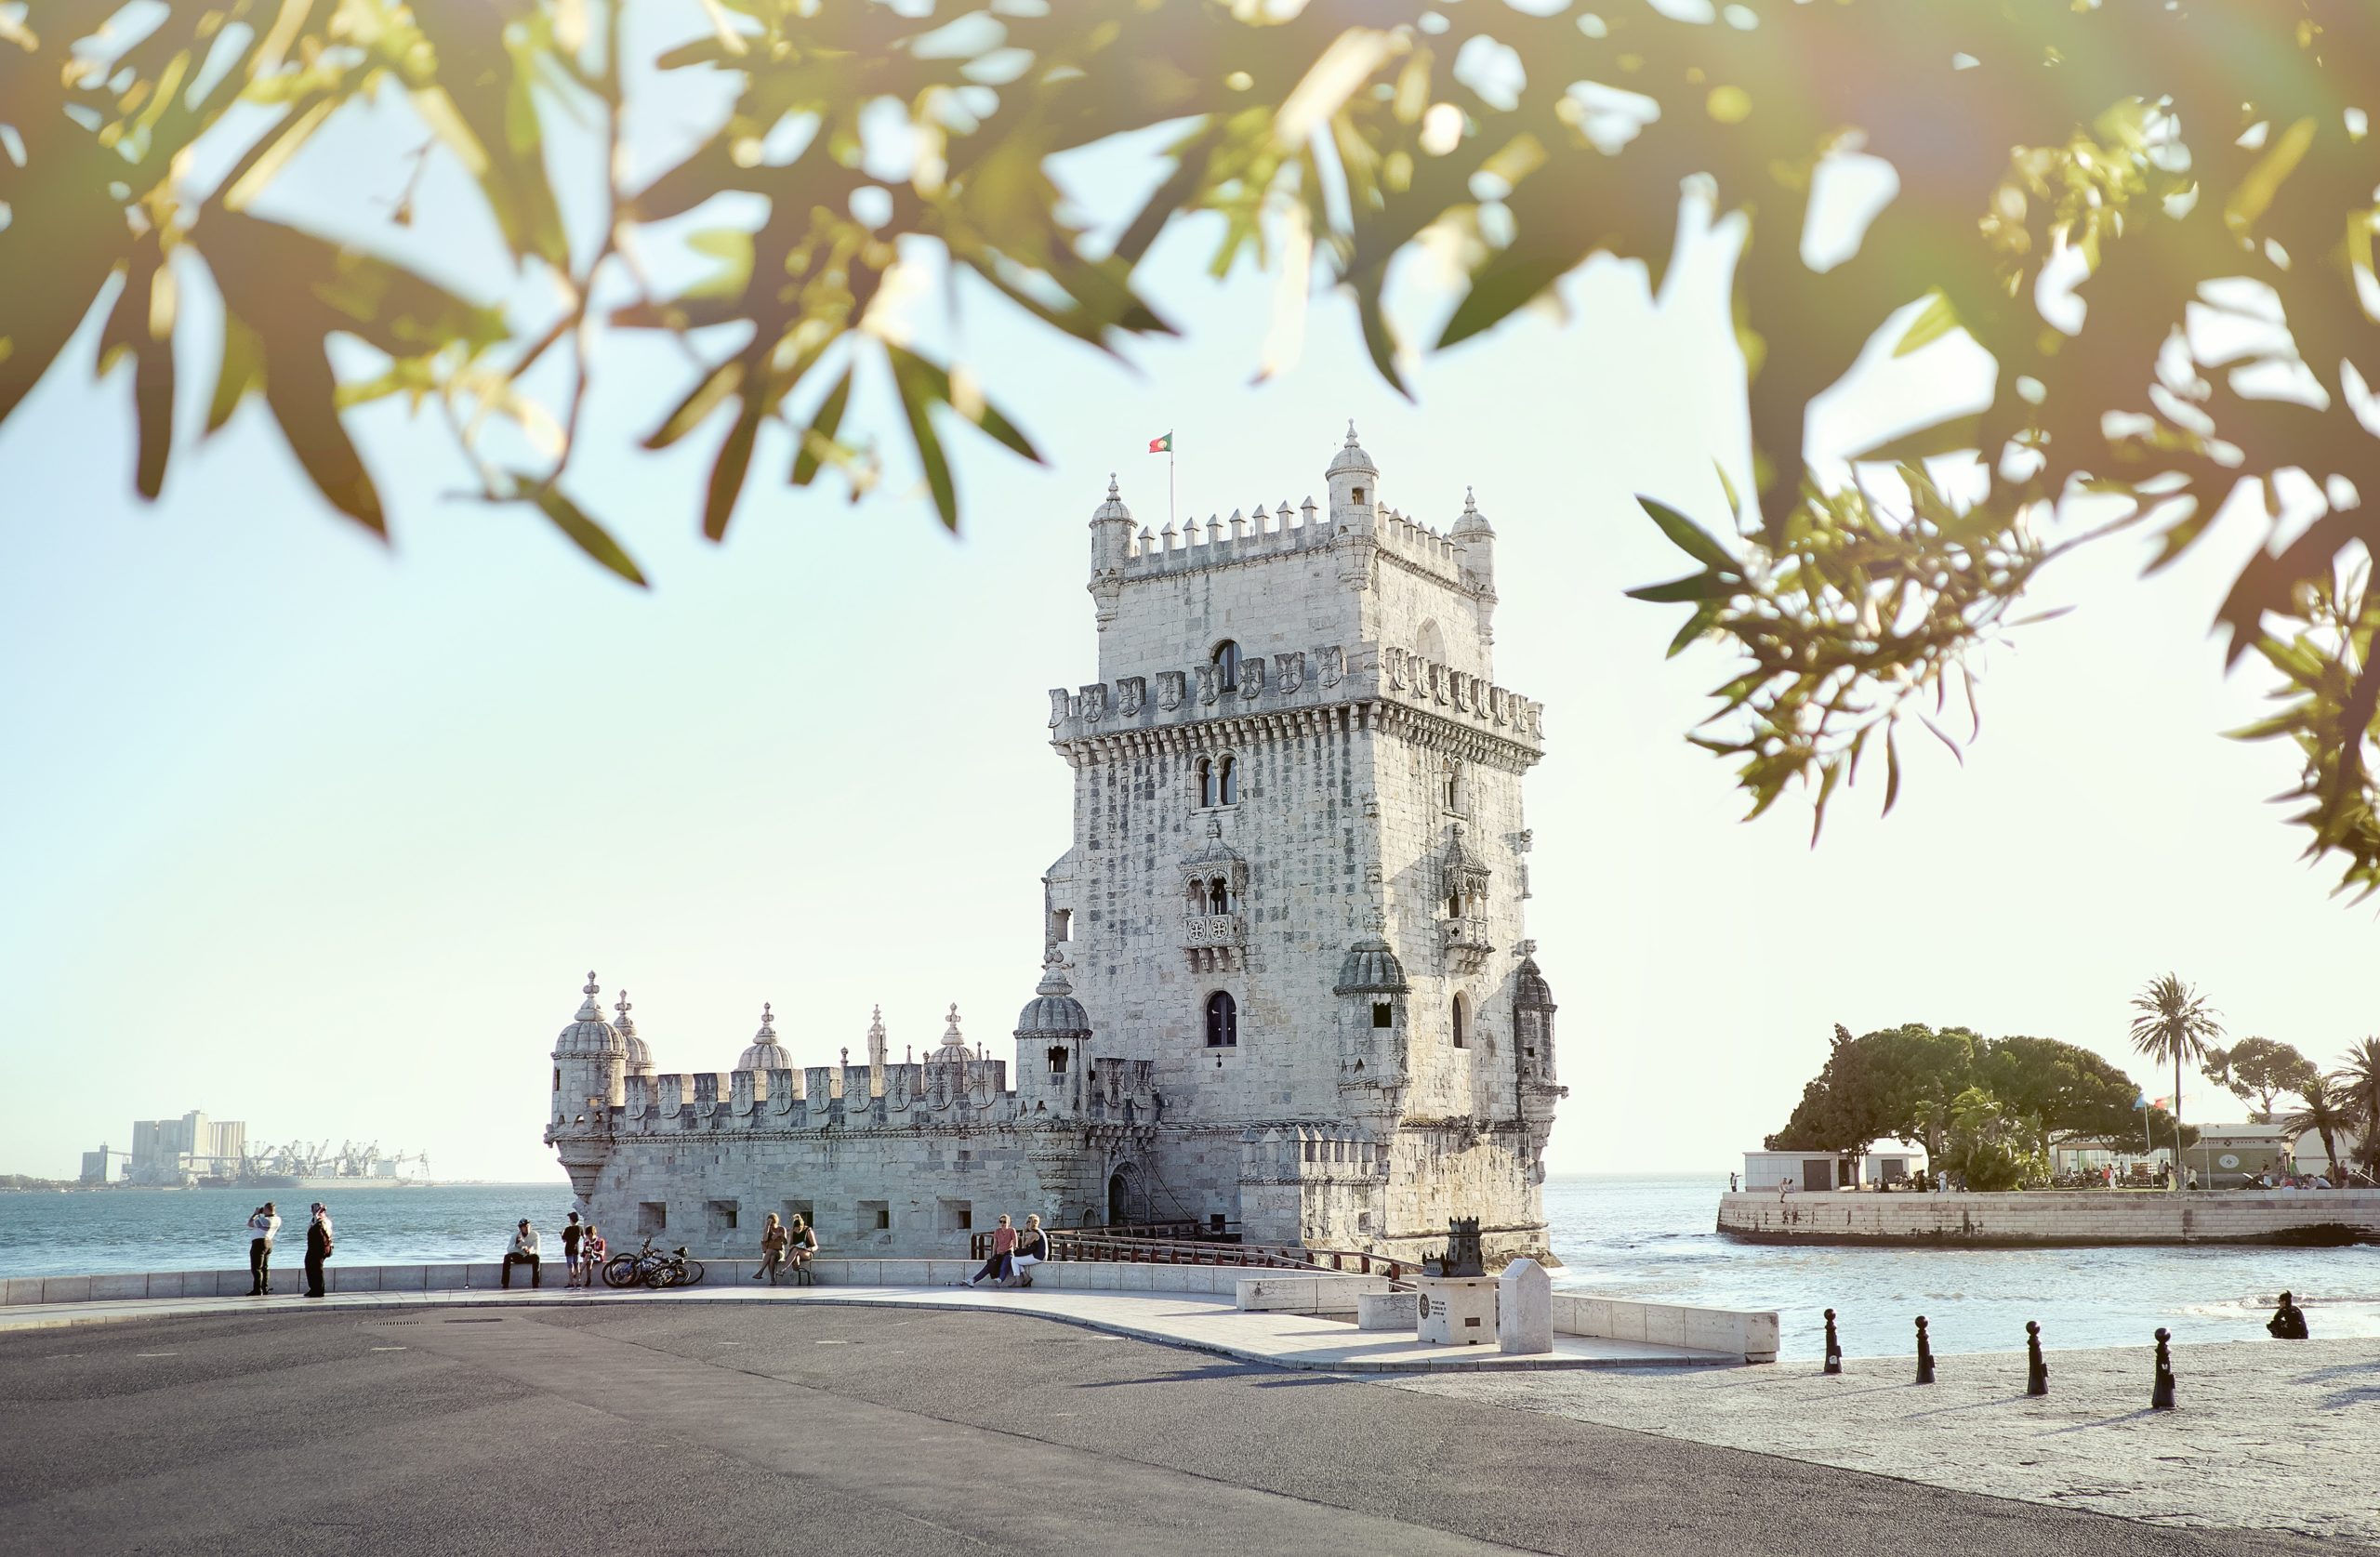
pixel 774 1429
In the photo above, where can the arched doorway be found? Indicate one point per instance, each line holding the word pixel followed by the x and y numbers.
pixel 1119 1196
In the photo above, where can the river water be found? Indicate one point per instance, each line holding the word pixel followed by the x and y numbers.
pixel 1628 1237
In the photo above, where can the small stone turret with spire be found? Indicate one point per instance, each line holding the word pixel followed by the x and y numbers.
pixel 1111 545
pixel 1355 484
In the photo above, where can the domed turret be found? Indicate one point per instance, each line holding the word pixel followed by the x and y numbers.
pixel 1053 1012
pixel 1355 484
pixel 1530 992
pixel 953 1046
pixel 589 1036
pixel 1474 525
pixel 1533 1020
pixel 1370 968
pixel 640 1057
pixel 765 1053
pixel 1476 539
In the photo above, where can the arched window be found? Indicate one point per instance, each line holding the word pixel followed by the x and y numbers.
pixel 1461 1022
pixel 1450 787
pixel 1226 661
pixel 1223 1021
pixel 1217 896
pixel 1227 785
pixel 1206 782
pixel 1430 644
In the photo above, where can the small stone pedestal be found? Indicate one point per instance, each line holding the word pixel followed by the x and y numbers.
pixel 1525 1308
pixel 1456 1310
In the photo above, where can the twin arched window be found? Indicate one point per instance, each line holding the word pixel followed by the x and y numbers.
pixel 1218 781
pixel 1223 1021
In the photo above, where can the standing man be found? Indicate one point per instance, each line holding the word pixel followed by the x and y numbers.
pixel 571 1236
pixel 318 1248
pixel 261 1227
pixel 524 1251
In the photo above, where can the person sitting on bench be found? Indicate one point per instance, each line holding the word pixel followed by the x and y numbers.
pixel 1003 1246
pixel 801 1244
pixel 1032 1249
pixel 524 1251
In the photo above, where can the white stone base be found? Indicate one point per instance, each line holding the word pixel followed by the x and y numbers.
pixel 1456 1310
pixel 1393 1312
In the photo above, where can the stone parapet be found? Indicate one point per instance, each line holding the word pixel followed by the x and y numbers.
pixel 2056 1218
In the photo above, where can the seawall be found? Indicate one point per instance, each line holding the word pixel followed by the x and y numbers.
pixel 2059 1218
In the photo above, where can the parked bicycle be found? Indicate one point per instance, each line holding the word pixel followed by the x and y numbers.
pixel 651 1267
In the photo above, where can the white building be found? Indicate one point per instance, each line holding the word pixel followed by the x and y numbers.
pixel 1287 987
pixel 1883 1164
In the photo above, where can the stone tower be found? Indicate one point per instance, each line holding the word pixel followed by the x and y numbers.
pixel 1294 898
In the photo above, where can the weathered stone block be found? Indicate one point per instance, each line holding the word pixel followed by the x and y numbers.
pixel 1386 1310
pixel 1525 1308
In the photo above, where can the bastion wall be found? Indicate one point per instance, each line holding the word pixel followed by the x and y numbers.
pixel 2054 1218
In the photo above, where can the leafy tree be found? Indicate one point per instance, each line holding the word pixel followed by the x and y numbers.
pixel 2140 213
pixel 2258 1069
pixel 2328 1113
pixel 1992 1145
pixel 2358 1080
pixel 1897 1082
pixel 2174 1023
pixel 2073 1093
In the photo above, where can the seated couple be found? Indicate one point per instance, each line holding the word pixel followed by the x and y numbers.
pixel 784 1250
pixel 1013 1254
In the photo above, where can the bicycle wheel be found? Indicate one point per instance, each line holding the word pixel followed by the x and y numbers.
pixel 690 1272
pixel 620 1271
pixel 660 1273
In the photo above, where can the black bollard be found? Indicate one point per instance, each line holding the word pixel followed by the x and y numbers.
pixel 1833 1347
pixel 2036 1370
pixel 2162 1397
pixel 1925 1354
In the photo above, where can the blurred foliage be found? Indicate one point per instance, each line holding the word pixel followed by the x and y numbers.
pixel 2357 1086
pixel 1906 1083
pixel 2089 192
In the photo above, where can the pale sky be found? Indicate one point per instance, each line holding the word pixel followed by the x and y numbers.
pixel 324 836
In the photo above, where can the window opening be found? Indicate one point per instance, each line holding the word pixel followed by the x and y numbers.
pixel 1057 1059
pixel 1062 925
pixel 1228 785
pixel 1461 1022
pixel 1223 1021
pixel 1206 782
pixel 1226 660
pixel 1382 1015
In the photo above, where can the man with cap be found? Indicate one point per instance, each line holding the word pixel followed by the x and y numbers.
pixel 318 1248
pixel 524 1251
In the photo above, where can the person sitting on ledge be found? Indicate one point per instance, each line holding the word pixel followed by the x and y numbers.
pixel 591 1250
pixel 800 1243
pixel 773 1240
pixel 2288 1321
pixel 1003 1244
pixel 1032 1249
pixel 524 1251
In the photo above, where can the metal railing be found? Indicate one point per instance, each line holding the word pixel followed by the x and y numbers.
pixel 1138 1245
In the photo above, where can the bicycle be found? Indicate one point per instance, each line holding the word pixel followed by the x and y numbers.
pixel 649 1267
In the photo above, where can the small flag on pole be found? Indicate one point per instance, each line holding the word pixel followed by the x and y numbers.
pixel 1161 445
pixel 2141 1100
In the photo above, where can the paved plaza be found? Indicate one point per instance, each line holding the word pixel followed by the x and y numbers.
pixel 730 1427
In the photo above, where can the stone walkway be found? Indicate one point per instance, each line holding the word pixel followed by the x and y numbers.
pixel 1212 1324
pixel 2269 1436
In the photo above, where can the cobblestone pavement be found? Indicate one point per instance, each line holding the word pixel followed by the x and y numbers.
pixel 2269 1436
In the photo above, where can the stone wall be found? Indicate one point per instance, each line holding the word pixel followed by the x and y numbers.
pixel 2055 1217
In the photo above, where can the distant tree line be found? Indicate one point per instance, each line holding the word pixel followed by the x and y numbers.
pixel 1988 1110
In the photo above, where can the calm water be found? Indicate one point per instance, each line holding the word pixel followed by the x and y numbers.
pixel 1626 1237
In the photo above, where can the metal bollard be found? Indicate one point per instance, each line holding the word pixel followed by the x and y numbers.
pixel 1925 1353
pixel 1833 1347
pixel 2036 1370
pixel 2162 1397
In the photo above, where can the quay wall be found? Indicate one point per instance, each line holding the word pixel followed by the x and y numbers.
pixel 2054 1218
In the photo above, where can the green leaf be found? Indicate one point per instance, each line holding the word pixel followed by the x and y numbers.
pixel 1934 320
pixel 1695 626
pixel 1686 536
pixel 705 398
pixel 1693 587
pixel 240 372
pixel 913 377
pixel 584 533
pixel 727 472
pixel 1955 436
pixel 820 437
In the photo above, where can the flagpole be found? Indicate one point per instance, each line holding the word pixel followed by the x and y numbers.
pixel 1169 481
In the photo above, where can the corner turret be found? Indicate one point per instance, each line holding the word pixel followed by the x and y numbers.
pixel 1051 1032
pixel 1111 546
pixel 1476 538
pixel 590 1067
pixel 1355 484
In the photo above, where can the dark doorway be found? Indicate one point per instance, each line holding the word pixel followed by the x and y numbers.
pixel 1119 1198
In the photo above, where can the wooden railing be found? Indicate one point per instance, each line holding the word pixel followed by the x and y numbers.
pixel 1136 1245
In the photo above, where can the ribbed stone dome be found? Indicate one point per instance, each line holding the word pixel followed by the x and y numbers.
pixel 1053 1012
pixel 1530 992
pixel 1370 969
pixel 1351 456
pixel 1474 525
pixel 765 1053
pixel 1114 506
pixel 588 1034
pixel 640 1057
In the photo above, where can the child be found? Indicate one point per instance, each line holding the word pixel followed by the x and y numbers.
pixel 590 1256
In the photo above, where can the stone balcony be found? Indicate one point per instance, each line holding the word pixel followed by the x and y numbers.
pixel 1464 945
pixel 1214 941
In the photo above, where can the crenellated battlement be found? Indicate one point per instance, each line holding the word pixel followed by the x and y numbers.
pixel 919 1093
pixel 1220 542
pixel 1303 1153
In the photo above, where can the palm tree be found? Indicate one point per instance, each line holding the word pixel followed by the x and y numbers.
pixel 2174 1023
pixel 2359 1081
pixel 2328 1113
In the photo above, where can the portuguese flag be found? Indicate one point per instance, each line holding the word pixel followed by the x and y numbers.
pixel 1161 445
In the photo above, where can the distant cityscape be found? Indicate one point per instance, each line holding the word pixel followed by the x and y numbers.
pixel 195 1152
